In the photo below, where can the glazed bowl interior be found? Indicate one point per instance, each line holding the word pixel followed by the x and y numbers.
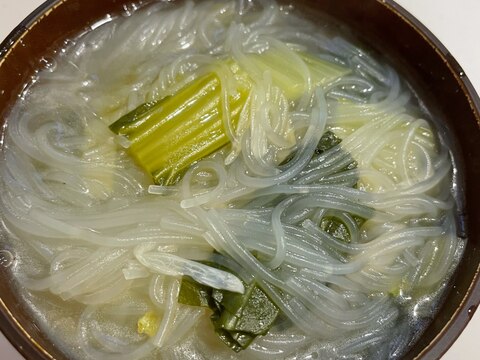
pixel 386 29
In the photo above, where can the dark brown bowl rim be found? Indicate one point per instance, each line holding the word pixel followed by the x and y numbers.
pixel 14 332
pixel 30 349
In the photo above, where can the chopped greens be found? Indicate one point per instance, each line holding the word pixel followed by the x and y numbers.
pixel 252 312
pixel 168 135
pixel 237 318
pixel 332 224
pixel 335 227
pixel 327 141
pixel 193 293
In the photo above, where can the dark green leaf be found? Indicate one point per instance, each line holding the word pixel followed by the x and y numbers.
pixel 327 141
pixel 194 294
pixel 237 318
pixel 335 227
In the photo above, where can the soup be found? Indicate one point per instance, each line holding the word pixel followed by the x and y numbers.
pixel 227 180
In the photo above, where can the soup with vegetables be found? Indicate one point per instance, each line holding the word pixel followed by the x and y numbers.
pixel 226 180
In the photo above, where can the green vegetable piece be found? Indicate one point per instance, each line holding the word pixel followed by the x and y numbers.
pixel 243 339
pixel 240 318
pixel 237 318
pixel 217 297
pixel 335 227
pixel 252 312
pixel 168 135
pixel 194 294
pixel 327 141
pixel 235 340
